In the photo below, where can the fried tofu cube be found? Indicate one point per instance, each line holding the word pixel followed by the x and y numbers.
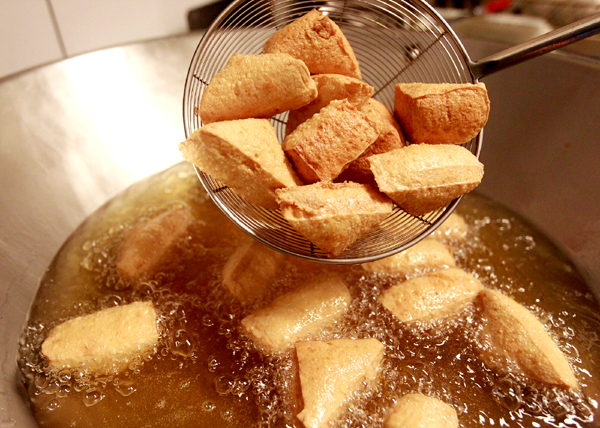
pixel 441 113
pixel 421 178
pixel 330 87
pixel 298 315
pixel 104 342
pixel 322 146
pixel 514 338
pixel 249 272
pixel 424 256
pixel 257 86
pixel 333 215
pixel 390 137
pixel 147 247
pixel 319 42
pixel 432 296
pixel 330 372
pixel 453 228
pixel 243 154
pixel 421 411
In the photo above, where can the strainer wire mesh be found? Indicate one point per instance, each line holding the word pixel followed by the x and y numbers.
pixel 394 41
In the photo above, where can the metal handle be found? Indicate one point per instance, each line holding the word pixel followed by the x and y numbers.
pixel 538 46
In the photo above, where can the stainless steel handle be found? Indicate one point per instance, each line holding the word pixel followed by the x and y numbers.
pixel 538 46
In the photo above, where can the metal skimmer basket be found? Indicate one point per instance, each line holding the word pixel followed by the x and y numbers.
pixel 394 41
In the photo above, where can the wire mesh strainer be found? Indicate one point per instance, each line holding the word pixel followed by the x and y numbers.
pixel 394 41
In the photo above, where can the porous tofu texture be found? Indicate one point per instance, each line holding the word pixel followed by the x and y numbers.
pixel 333 215
pixel 147 246
pixel 426 255
pixel 322 146
pixel 330 87
pixel 243 154
pixel 249 272
pixel 421 178
pixel 103 342
pixel 319 42
pixel 298 315
pixel 441 113
pixel 257 86
pixel 514 338
pixel 330 372
pixel 421 411
pixel 432 296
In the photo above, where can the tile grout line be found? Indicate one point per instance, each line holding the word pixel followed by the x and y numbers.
pixel 59 38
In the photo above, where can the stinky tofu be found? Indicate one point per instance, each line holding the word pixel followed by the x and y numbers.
pixel 424 256
pixel 330 87
pixel 250 271
pixel 148 246
pixel 421 411
pixel 319 42
pixel 330 372
pixel 453 228
pixel 421 177
pixel 257 86
pixel 333 215
pixel 322 146
pixel 243 154
pixel 514 338
pixel 103 342
pixel 390 137
pixel 432 296
pixel 441 113
pixel 298 315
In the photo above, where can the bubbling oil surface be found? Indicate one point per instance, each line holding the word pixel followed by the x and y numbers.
pixel 205 373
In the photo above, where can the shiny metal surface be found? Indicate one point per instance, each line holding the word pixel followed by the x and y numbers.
pixel 75 133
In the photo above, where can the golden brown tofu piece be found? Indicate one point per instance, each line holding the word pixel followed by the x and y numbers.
pixel 104 342
pixel 249 272
pixel 322 146
pixel 243 154
pixel 330 87
pixel 421 411
pixel 148 246
pixel 432 296
pixel 333 215
pixel 332 371
pixel 421 177
pixel 441 113
pixel 319 42
pixel 390 137
pixel 514 338
pixel 298 315
pixel 424 256
pixel 257 86
pixel 453 228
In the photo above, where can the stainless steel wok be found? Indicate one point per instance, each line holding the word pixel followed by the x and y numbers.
pixel 75 133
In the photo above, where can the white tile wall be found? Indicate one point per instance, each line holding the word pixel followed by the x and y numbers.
pixel 34 32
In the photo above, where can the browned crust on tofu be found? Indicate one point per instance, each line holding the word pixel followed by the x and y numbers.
pixel 390 137
pixel 298 315
pixel 420 411
pixel 452 229
pixel 441 113
pixel 330 87
pixel 322 146
pixel 330 372
pixel 514 338
pixel 249 272
pixel 432 296
pixel 333 215
pixel 319 42
pixel 424 256
pixel 257 86
pixel 245 155
pixel 147 247
pixel 421 177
